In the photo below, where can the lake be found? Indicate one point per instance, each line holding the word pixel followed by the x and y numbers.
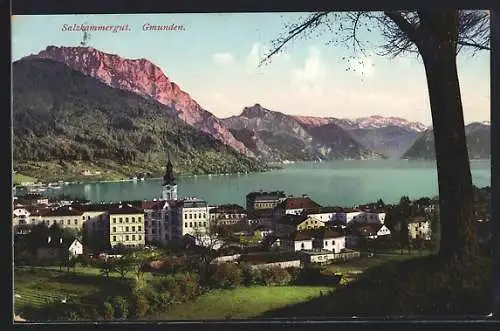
pixel 340 183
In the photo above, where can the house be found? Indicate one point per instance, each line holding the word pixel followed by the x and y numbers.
pixel 262 231
pixel 227 214
pixel 419 228
pixel 294 206
pixel 156 216
pixel 261 205
pixel 20 216
pixel 332 241
pixel 60 249
pixel 290 223
pixel 190 217
pixel 298 240
pixel 125 226
pixel 65 217
pixel 357 231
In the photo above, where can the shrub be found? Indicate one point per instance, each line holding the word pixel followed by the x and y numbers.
pixel 140 305
pixel 274 276
pixel 294 274
pixel 121 306
pixel 227 275
pixel 248 276
pixel 108 312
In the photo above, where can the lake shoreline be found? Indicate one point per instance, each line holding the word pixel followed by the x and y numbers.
pixel 335 183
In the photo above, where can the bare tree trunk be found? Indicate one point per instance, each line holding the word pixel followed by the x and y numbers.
pixel 453 167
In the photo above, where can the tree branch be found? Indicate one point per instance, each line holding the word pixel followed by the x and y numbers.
pixel 403 24
pixel 482 47
pixel 292 34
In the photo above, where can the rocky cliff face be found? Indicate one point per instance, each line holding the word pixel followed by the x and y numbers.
pixel 274 136
pixel 146 79
pixel 390 136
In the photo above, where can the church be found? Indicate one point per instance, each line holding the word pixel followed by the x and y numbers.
pixel 171 219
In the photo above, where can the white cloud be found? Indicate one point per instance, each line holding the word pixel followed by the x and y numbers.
pixel 223 58
pixel 257 53
pixel 310 78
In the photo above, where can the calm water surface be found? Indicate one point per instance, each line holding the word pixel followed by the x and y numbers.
pixel 343 183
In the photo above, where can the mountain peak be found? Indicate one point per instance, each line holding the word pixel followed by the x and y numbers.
pixel 144 78
pixel 255 111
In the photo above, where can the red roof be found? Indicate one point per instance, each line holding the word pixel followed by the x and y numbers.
pixel 296 203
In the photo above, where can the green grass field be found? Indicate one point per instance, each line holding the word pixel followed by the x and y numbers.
pixel 39 287
pixel 241 303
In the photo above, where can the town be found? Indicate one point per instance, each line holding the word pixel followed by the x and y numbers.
pixel 273 231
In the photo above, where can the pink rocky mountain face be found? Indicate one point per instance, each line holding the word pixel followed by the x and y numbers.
pixel 146 79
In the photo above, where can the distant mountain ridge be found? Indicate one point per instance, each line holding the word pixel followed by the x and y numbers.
pixel 478 135
pixel 390 136
pixel 144 78
pixel 275 136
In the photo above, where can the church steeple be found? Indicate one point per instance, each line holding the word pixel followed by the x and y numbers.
pixel 169 190
pixel 168 178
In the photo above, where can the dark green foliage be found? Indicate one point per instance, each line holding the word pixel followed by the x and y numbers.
pixel 424 286
pixel 108 312
pixel 140 305
pixel 121 306
pixel 274 276
pixel 61 114
pixel 226 275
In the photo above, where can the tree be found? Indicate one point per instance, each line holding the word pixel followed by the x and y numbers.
pixel 123 266
pixel 138 262
pixel 436 36
pixel 404 209
pixel 209 244
pixel 107 267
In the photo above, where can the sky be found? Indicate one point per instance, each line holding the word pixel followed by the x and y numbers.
pixel 215 56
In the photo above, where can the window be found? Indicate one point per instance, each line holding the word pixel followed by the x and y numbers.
pixel 326 243
pixel 302 246
pixel 133 219
pixel 69 222
pixel 114 229
pixel 185 225
pixel 83 218
pixel 185 216
pixel 121 220
pixel 133 237
pixel 114 238
pixel 199 223
pixel 139 219
pixel 139 237
pixel 199 215
pixel 190 216
pixel 194 216
pixel 133 229
pixel 126 219
pixel 204 223
pixel 114 220
pixel 126 237
pixel 88 218
pixel 204 215
pixel 75 221
pixel 126 229
pixel 139 228
pixel 190 224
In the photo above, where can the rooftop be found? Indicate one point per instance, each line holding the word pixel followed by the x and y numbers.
pixel 302 202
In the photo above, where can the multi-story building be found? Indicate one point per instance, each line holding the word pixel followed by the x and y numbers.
pixel 261 205
pixel 227 214
pixel 126 226
pixel 294 206
pixel 156 220
pixel 188 217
